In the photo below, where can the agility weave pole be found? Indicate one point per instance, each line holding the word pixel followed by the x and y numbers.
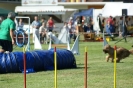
pixel 114 66
pixel 55 66
pixel 85 72
pixel 24 59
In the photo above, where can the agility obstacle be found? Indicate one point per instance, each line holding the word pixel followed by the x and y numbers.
pixel 39 60
pixel 74 49
pixel 114 66
pixel 55 67
pixel 22 33
pixel 85 64
pixel 24 60
pixel 37 44
pixel 59 45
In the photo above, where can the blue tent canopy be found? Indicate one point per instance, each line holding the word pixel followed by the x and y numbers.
pixel 84 13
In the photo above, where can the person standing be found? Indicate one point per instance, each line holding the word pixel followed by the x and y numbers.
pixel 125 25
pixel 110 19
pixel 36 25
pixel 7 33
pixel 120 26
pixel 50 24
pixel 91 25
pixel 43 20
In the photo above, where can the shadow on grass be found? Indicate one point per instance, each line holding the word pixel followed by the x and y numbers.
pixel 82 67
pixel 119 62
pixel 1 80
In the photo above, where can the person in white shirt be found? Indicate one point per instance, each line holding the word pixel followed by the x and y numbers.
pixel 43 33
pixel 36 25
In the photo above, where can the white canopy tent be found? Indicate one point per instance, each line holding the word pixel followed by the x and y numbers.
pixel 42 10
pixel 115 9
pixel 130 10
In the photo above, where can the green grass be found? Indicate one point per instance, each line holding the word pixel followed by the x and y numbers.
pixel 100 73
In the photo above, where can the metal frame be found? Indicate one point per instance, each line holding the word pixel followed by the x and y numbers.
pixel 28 44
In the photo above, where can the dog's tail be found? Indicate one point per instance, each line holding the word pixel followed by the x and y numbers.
pixel 131 50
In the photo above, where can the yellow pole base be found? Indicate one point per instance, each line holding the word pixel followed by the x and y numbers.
pixel 108 39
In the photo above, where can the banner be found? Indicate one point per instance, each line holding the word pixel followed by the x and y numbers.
pixel 39 2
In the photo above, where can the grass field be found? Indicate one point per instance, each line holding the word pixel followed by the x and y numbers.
pixel 100 73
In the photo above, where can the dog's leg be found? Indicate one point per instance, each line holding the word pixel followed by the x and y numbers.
pixel 118 60
pixel 107 58
pixel 112 60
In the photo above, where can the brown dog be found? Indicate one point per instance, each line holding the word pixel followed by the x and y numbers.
pixel 121 53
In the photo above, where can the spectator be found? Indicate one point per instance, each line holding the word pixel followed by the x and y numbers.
pixel 110 19
pixel 20 24
pixel 109 28
pixel 87 28
pixel 43 21
pixel 77 24
pixel 50 24
pixel 43 33
pixel 114 25
pixel 125 31
pixel 70 22
pixel 35 25
pixel 6 33
pixel 91 25
pixel 120 27
pixel 65 25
